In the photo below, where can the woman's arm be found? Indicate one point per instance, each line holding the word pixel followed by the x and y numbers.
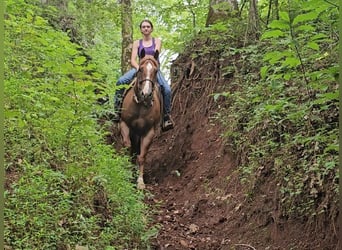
pixel 134 55
pixel 158 44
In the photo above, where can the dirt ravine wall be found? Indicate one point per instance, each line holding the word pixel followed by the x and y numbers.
pixel 194 182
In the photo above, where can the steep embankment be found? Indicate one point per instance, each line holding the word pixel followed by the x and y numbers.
pixel 193 179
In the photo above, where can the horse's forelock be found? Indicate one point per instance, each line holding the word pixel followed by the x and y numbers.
pixel 149 58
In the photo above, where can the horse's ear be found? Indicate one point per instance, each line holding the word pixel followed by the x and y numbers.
pixel 156 55
pixel 142 53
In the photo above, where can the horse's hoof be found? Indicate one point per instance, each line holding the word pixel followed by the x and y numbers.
pixel 141 184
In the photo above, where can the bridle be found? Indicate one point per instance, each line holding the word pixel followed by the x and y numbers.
pixel 139 96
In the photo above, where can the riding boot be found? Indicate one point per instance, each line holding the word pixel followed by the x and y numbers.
pixel 167 123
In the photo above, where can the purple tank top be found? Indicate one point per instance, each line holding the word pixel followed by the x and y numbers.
pixel 148 50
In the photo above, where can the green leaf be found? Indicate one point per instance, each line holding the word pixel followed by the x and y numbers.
pixel 318 85
pixel 314 5
pixel 327 97
pixel 305 27
pixel 273 56
pixel 287 76
pixel 284 16
pixel 263 72
pixel 40 21
pixel 272 34
pixel 79 60
pixel 331 147
pixel 313 46
pixel 291 62
pixel 11 114
pixel 319 36
pixel 310 16
pixel 279 24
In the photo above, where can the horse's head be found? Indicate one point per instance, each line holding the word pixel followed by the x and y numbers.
pixel 146 78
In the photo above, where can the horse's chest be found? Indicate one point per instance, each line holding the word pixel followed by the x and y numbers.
pixel 140 119
pixel 141 125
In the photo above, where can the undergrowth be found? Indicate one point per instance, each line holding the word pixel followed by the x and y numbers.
pixel 65 186
pixel 282 110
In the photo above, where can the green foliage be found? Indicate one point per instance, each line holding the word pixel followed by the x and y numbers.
pixel 67 187
pixel 176 19
pixel 176 22
pixel 283 109
pixel 94 26
pixel 99 33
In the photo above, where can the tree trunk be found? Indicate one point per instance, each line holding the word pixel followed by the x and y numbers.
pixel 221 10
pixel 253 21
pixel 269 11
pixel 276 11
pixel 127 35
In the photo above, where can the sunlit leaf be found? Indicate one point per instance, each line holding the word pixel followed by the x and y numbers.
pixel 284 15
pixel 272 34
pixel 310 16
pixel 313 45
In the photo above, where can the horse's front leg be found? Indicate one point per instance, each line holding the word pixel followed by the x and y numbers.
pixel 144 146
pixel 124 129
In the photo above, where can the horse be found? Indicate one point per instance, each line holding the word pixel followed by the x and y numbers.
pixel 141 112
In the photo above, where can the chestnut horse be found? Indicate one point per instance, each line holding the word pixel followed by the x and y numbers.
pixel 141 112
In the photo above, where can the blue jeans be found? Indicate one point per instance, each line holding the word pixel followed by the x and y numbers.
pixel 128 77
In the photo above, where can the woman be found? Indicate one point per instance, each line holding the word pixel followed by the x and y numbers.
pixel 150 44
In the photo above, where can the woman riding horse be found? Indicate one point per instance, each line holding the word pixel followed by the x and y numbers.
pixel 150 45
pixel 141 111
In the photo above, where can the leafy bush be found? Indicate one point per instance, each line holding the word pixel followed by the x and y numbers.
pixel 67 187
pixel 283 119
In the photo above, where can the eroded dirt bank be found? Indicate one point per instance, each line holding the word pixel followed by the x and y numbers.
pixel 193 179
